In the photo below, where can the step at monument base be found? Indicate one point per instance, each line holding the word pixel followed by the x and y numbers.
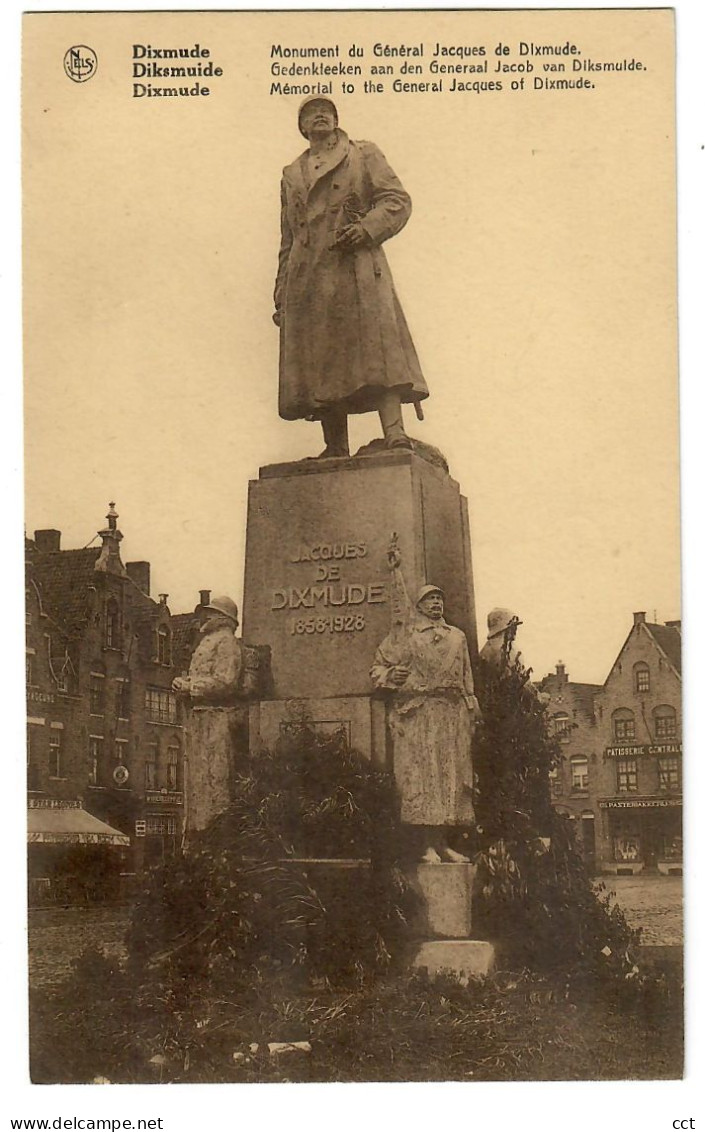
pixel 465 959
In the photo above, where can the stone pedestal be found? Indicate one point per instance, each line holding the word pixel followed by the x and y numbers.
pixel 444 923
pixel 317 582
pixel 446 890
pixel 317 593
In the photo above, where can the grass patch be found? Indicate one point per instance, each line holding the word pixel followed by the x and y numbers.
pixel 510 1027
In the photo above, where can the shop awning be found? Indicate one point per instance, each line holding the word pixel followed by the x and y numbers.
pixel 69 824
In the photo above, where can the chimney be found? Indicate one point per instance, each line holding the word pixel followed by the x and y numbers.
pixel 47 541
pixel 205 597
pixel 109 561
pixel 640 618
pixel 139 573
pixel 163 599
pixel 560 671
pixel 674 625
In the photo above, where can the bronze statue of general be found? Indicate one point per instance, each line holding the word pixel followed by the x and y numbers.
pixel 344 343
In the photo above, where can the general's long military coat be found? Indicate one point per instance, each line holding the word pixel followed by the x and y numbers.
pixel 343 334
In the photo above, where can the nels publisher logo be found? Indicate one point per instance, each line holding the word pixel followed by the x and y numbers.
pixel 80 63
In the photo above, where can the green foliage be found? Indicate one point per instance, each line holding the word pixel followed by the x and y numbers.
pixel 247 904
pixel 513 752
pixel 536 899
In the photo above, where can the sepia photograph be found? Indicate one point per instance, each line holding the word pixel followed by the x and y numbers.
pixel 352 548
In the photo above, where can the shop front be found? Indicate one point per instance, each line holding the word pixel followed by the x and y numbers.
pixel 73 856
pixel 640 834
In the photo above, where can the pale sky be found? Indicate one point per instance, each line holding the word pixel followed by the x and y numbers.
pixel 537 275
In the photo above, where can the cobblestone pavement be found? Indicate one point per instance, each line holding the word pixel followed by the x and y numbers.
pixel 652 903
pixel 57 936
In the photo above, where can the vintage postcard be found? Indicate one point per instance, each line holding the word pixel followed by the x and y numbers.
pixel 353 637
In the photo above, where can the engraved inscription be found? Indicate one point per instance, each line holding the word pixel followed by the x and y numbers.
pixel 326 588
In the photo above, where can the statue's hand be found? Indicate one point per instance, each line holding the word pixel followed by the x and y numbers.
pixel 352 236
pixel 398 675
pixel 277 318
pixel 181 684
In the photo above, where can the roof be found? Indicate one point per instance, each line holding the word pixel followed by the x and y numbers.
pixel 182 637
pixel 68 823
pixel 64 577
pixel 584 696
pixel 668 639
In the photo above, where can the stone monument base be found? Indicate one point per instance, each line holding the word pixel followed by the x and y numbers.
pixel 463 958
pixel 444 922
pixel 446 889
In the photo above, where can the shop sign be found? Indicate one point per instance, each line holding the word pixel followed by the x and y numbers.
pixel 164 797
pixel 52 804
pixel 40 697
pixel 639 803
pixel 644 749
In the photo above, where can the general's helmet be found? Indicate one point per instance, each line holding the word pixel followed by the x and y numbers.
pixel 316 98
pixel 426 590
pixel 224 605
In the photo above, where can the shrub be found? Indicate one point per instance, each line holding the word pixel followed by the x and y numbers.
pixel 535 899
pixel 245 905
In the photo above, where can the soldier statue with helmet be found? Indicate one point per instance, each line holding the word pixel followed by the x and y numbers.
pixel 424 666
pixel 221 676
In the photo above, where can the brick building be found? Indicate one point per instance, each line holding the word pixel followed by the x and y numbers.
pixel 105 740
pixel 573 783
pixel 621 775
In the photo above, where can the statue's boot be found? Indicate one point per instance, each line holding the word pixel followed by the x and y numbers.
pixel 334 423
pixel 392 421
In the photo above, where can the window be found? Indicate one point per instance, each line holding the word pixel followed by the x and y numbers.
pixel 29 667
pixel 642 678
pixel 160 705
pixel 55 761
pixel 33 775
pixel 626 775
pixel 163 645
pixel 97 693
pixel 623 724
pixel 665 722
pixel 172 768
pixel 161 824
pixel 555 781
pixel 112 624
pixel 95 759
pixel 150 768
pixel 579 773
pixel 561 722
pixel 123 698
pixel 669 773
pixel 121 752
